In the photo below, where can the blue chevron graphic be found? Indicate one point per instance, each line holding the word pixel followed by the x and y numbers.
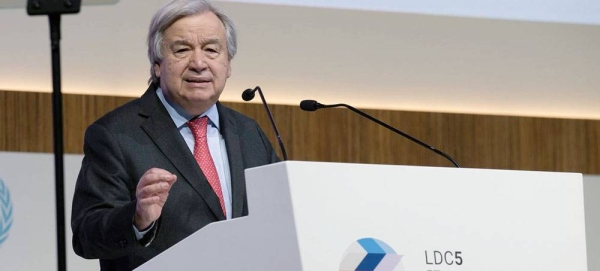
pixel 370 254
pixel 6 212
pixel 374 254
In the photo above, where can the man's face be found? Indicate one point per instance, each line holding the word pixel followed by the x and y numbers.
pixel 195 64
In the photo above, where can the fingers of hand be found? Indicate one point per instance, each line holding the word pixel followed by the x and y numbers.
pixel 145 202
pixel 155 175
pixel 155 189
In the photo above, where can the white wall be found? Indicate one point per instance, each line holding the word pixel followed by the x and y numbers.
pixel 370 59
pixel 565 11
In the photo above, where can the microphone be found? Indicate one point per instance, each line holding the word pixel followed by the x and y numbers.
pixel 248 95
pixel 312 105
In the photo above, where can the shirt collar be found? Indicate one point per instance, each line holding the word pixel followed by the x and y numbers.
pixel 180 117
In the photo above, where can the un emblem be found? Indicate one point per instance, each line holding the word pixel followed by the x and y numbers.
pixel 6 215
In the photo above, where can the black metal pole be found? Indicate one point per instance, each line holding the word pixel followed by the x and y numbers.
pixel 54 9
pixel 57 118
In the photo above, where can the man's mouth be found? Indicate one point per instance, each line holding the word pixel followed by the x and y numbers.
pixel 198 80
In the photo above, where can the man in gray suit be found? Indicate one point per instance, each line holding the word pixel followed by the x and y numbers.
pixel 149 178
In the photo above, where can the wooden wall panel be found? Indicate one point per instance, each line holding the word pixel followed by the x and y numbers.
pixel 80 111
pixel 339 135
pixel 25 122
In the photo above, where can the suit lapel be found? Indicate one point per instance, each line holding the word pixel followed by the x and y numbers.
pixel 160 128
pixel 234 154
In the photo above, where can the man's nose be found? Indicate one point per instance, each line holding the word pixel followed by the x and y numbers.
pixel 198 62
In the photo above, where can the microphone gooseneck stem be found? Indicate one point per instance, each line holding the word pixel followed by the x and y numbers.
pixel 395 130
pixel 262 97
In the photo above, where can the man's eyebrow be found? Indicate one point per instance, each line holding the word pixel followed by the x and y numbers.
pixel 187 43
pixel 211 41
pixel 179 42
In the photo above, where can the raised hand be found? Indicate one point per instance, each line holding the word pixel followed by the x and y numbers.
pixel 152 192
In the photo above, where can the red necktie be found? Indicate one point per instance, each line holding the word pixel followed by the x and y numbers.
pixel 203 157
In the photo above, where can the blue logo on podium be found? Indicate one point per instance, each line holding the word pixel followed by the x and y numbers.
pixel 369 254
pixel 6 212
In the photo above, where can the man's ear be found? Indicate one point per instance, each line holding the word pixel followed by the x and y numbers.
pixel 157 70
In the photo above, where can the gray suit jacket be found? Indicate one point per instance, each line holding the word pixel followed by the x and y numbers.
pixel 120 147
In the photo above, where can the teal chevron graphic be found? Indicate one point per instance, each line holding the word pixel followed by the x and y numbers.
pixel 369 254
pixel 6 212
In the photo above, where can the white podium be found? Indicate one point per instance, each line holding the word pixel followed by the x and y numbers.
pixel 309 216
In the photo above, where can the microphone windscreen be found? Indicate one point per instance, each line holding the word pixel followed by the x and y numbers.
pixel 309 105
pixel 248 94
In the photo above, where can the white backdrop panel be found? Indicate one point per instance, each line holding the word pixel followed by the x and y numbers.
pixel 31 242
